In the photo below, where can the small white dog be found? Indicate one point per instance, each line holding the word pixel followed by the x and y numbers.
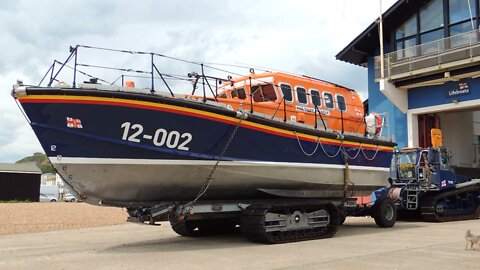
pixel 472 239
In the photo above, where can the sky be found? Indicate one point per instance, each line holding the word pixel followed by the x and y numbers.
pixel 300 37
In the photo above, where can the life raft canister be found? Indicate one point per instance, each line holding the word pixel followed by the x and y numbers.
pixel 373 122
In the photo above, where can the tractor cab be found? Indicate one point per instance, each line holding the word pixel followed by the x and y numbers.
pixel 423 168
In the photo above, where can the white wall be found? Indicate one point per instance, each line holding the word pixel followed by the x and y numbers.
pixel 458 136
pixel 476 123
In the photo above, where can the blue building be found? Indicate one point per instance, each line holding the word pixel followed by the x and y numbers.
pixel 431 73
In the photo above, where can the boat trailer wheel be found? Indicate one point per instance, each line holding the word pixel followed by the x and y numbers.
pixel 297 216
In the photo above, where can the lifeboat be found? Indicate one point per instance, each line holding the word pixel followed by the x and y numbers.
pixel 268 135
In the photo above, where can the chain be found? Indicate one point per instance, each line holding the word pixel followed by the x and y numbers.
pixel 301 147
pixel 341 149
pixel 209 180
pixel 374 155
pixel 356 155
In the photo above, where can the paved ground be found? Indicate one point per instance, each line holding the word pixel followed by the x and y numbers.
pixel 359 244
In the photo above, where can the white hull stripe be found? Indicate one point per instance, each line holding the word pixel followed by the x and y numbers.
pixel 124 161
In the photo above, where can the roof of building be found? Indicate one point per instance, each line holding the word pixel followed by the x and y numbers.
pixel 367 42
pixel 20 168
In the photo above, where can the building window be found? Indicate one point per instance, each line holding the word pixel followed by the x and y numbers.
pixel 431 47
pixel 431 16
pixel 301 95
pixel 286 92
pixel 328 98
pixel 315 96
pixel 461 10
pixel 342 106
pixel 409 28
pixel 406 37
pixel 431 26
pixel 462 20
pixel 405 48
pixel 456 37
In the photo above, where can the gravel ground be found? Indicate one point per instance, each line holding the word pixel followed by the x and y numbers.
pixel 46 216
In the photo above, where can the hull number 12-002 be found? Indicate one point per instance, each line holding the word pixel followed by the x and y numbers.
pixel 171 139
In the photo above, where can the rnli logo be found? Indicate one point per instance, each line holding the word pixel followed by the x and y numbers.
pixel 74 123
pixel 460 91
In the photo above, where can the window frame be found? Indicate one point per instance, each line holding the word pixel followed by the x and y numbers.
pixel 398 40
pixel 467 18
pixel 283 96
pixel 344 102
pixel 319 97
pixel 423 11
pixel 274 88
pixel 306 95
pixel 333 101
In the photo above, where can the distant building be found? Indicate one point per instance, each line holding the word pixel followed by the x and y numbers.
pixel 20 182
pixel 431 75
pixel 49 179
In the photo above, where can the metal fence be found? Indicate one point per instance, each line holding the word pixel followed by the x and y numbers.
pixel 432 56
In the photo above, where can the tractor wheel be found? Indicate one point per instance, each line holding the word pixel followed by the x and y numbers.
pixel 384 212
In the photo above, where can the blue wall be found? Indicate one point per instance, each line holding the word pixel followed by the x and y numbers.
pixel 444 94
pixel 377 102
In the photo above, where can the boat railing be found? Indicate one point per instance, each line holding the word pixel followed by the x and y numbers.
pixel 209 84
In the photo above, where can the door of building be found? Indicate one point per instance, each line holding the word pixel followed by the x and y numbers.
pixel 425 123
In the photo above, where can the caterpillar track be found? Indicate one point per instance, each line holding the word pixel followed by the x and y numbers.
pixel 274 224
pixel 270 222
pixel 197 228
pixel 453 205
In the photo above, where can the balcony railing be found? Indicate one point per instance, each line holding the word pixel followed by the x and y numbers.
pixel 432 57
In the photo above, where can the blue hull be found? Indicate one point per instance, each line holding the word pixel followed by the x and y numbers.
pixel 84 134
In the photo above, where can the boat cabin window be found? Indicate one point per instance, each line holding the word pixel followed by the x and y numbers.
pixel 301 95
pixel 342 106
pixel 222 95
pixel 328 98
pixel 264 93
pixel 239 93
pixel 315 96
pixel 287 92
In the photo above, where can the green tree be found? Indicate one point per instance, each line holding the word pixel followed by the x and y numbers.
pixel 40 160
